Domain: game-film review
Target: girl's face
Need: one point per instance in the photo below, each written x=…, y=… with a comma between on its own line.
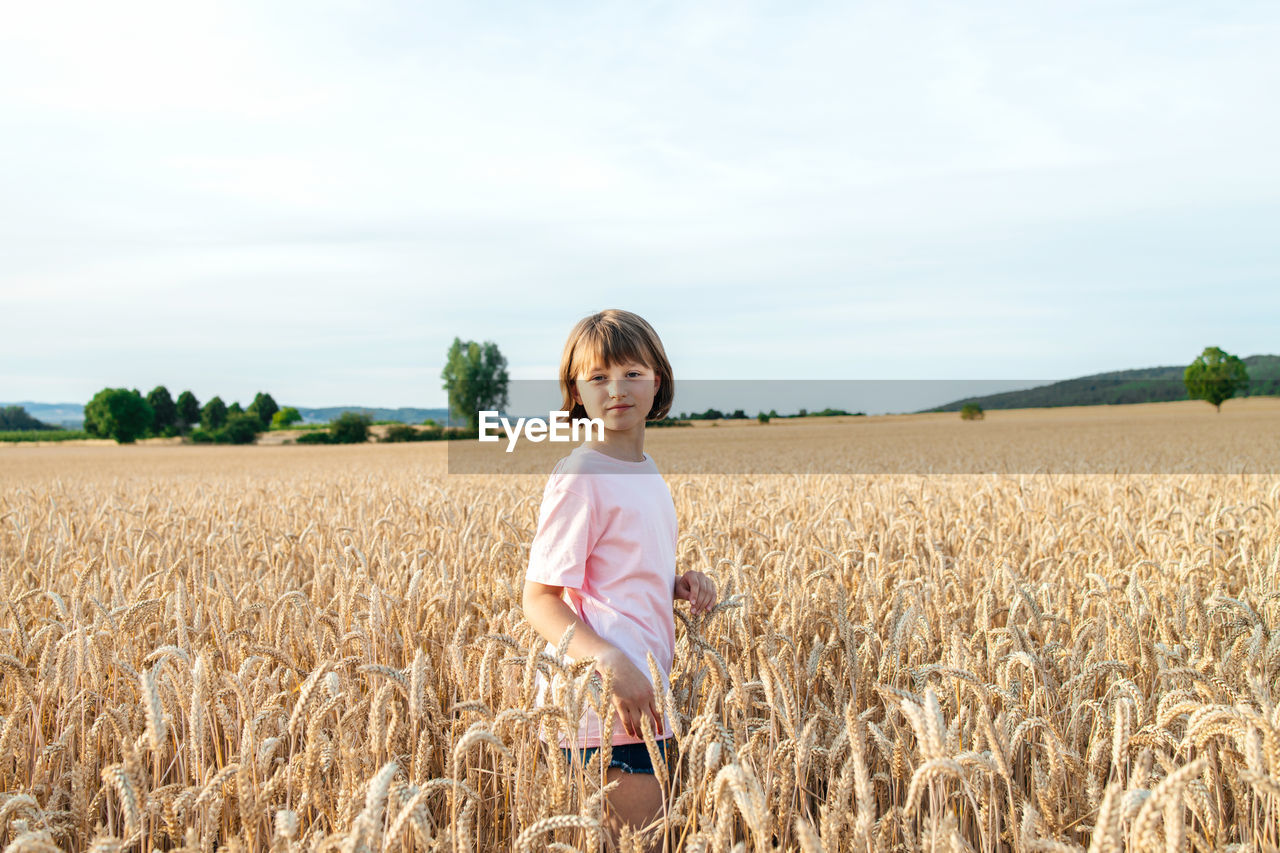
x=621, y=395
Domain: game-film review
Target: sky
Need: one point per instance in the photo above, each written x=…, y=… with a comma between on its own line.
x=313, y=199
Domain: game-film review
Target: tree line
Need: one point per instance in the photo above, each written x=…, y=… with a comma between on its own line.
x=126, y=415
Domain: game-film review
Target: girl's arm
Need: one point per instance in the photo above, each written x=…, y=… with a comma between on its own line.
x=633, y=696
x=548, y=613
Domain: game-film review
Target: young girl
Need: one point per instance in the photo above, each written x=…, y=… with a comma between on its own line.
x=603, y=559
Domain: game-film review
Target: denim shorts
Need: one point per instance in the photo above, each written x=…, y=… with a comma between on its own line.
x=630, y=757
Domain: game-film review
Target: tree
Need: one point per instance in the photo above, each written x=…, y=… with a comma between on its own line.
x=285, y=417
x=118, y=413
x=971, y=412
x=235, y=408
x=165, y=412
x=188, y=411
x=350, y=428
x=264, y=408
x=214, y=414
x=1215, y=376
x=475, y=375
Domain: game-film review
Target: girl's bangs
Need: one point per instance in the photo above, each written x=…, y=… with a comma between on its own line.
x=606, y=346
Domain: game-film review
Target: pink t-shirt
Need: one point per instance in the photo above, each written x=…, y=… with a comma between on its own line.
x=607, y=533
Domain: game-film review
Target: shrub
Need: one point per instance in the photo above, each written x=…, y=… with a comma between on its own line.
x=240, y=428
x=285, y=418
x=350, y=428
x=971, y=412
x=400, y=432
x=763, y=417
x=315, y=437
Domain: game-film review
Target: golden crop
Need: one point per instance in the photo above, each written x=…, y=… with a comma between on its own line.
x=316, y=647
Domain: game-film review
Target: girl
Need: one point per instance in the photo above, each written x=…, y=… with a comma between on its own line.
x=603, y=559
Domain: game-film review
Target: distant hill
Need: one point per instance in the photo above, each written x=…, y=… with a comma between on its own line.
x=66, y=415
x=71, y=415
x=407, y=416
x=1144, y=385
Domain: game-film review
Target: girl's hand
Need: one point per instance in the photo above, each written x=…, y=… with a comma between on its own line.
x=632, y=693
x=698, y=589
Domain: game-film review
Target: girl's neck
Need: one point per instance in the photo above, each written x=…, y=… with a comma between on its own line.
x=627, y=446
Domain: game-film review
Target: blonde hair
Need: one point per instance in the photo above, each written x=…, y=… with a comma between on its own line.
x=613, y=337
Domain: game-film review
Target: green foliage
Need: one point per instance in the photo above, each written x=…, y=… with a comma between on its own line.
x=803, y=413
x=240, y=428
x=475, y=375
x=164, y=411
x=214, y=415
x=118, y=413
x=285, y=418
x=350, y=428
x=235, y=409
x=431, y=422
x=405, y=432
x=264, y=408
x=53, y=434
x=16, y=419
x=971, y=412
x=762, y=417
x=738, y=415
x=188, y=414
x=315, y=437
x=668, y=422
x=1215, y=376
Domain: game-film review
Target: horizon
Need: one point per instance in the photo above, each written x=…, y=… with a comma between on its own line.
x=919, y=396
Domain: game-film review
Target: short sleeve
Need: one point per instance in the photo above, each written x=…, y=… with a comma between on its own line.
x=558, y=556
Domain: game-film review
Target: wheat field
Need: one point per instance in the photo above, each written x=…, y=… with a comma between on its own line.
x=312, y=648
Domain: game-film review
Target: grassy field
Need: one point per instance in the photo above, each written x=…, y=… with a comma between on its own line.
x=43, y=435
x=294, y=648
